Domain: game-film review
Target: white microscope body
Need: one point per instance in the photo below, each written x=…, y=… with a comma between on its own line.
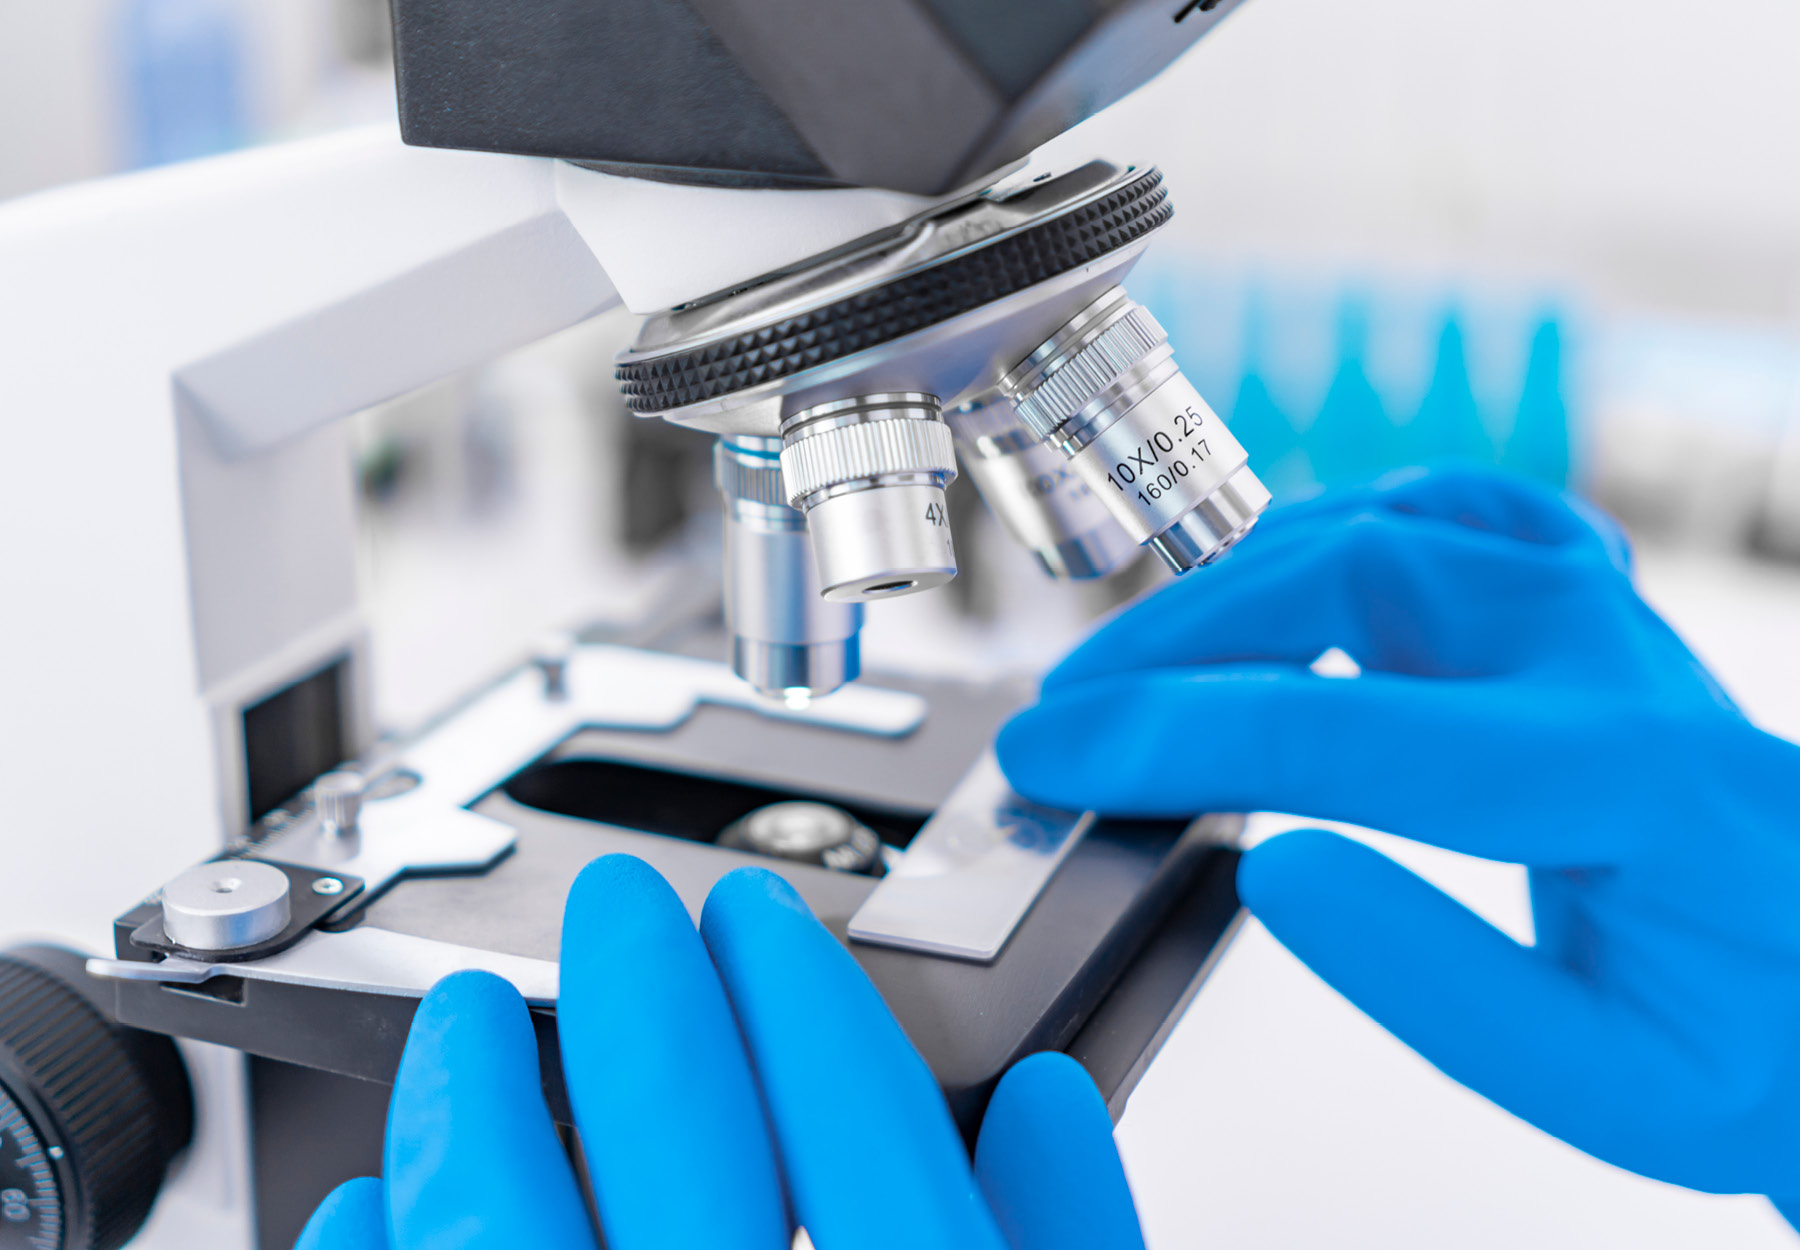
x=181, y=348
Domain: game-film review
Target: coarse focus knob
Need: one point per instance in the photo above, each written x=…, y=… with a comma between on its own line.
x=869, y=474
x=91, y=1113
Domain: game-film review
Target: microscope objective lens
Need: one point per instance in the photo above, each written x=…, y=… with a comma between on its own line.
x=787, y=640
x=869, y=473
x=1039, y=498
x=1105, y=390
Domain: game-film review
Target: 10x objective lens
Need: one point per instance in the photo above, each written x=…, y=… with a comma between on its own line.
x=869, y=475
x=1106, y=391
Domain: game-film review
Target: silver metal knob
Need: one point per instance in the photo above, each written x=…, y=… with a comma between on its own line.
x=226, y=905
x=338, y=797
x=550, y=655
x=869, y=475
x=1106, y=391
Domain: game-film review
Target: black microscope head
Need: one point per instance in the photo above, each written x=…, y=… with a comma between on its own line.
x=922, y=96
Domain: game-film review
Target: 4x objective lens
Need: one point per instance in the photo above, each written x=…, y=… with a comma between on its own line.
x=1105, y=391
x=869, y=475
x=786, y=639
x=1040, y=499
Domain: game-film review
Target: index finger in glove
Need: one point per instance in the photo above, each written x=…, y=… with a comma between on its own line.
x=1484, y=768
x=1400, y=595
x=676, y=1141
x=854, y=1107
x=472, y=1158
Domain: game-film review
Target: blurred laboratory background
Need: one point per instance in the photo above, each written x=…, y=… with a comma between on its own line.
x=1558, y=235
x=1562, y=236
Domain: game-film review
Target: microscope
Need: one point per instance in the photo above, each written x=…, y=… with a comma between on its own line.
x=852, y=271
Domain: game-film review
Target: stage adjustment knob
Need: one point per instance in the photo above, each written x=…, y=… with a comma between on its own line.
x=91, y=1113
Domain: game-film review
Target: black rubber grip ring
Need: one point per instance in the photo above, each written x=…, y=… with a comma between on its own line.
x=900, y=307
x=104, y=1109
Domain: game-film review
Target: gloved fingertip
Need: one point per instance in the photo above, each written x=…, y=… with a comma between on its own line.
x=352, y=1217
x=471, y=1029
x=746, y=894
x=461, y=1001
x=1021, y=733
x=1048, y=1079
x=619, y=903
x=656, y=1072
x=1019, y=747
x=1046, y=1161
x=1284, y=874
x=613, y=877
x=1044, y=750
x=471, y=1149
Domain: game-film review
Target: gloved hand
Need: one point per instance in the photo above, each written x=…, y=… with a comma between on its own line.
x=667, y=1037
x=1518, y=702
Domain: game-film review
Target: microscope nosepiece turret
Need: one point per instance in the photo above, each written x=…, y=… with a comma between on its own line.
x=1003, y=305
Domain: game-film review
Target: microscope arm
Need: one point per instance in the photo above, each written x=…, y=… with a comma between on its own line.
x=287, y=286
x=177, y=349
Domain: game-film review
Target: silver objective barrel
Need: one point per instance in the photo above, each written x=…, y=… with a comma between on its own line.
x=1036, y=493
x=786, y=639
x=869, y=474
x=1105, y=391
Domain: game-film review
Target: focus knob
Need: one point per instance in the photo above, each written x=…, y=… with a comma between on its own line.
x=91, y=1113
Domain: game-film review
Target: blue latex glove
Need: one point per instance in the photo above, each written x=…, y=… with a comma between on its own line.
x=1518, y=702
x=728, y=1084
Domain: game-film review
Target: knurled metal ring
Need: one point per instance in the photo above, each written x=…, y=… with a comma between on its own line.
x=865, y=440
x=754, y=479
x=1065, y=375
x=901, y=307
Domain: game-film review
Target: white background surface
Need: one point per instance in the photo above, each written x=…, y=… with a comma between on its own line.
x=1279, y=1116
x=1645, y=150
